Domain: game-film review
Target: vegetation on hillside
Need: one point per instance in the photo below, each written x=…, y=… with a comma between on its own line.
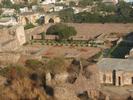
x=62, y=30
x=28, y=82
x=121, y=13
x=56, y=65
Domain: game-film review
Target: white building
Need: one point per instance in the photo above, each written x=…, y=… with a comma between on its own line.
x=76, y=10
x=23, y=10
x=111, y=1
x=58, y=8
x=47, y=1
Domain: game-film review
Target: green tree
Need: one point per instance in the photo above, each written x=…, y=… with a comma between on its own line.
x=66, y=15
x=72, y=3
x=28, y=26
x=62, y=30
x=124, y=9
x=106, y=8
x=7, y=3
x=84, y=3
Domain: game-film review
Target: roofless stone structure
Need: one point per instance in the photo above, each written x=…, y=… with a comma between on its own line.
x=117, y=72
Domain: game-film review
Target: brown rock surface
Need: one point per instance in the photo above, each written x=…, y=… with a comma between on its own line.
x=22, y=89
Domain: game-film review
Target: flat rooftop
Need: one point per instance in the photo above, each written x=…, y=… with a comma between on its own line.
x=111, y=64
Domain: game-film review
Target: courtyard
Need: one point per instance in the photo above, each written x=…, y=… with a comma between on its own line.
x=61, y=51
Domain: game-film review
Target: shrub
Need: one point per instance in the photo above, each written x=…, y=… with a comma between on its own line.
x=62, y=30
x=33, y=64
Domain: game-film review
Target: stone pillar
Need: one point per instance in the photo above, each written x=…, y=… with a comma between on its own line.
x=48, y=78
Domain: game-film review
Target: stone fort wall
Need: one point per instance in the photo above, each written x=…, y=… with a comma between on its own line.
x=12, y=38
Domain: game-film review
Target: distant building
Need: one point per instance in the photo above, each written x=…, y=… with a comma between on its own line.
x=58, y=8
x=28, y=17
x=47, y=1
x=23, y=10
x=34, y=7
x=118, y=72
x=110, y=1
x=21, y=1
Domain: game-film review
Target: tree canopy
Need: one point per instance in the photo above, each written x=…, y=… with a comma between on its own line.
x=100, y=12
x=84, y=3
x=66, y=15
x=62, y=30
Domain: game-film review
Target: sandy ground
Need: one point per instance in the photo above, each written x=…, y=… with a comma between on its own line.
x=83, y=52
x=89, y=30
x=93, y=29
x=118, y=93
x=97, y=28
x=66, y=51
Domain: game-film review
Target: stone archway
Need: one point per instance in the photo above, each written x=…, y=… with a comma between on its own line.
x=119, y=81
x=51, y=20
x=27, y=20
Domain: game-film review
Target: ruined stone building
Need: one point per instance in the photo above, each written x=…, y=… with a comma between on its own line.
x=32, y=17
x=118, y=72
x=51, y=18
x=28, y=17
x=11, y=39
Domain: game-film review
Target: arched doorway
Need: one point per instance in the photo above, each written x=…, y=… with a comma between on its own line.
x=41, y=21
x=114, y=77
x=119, y=81
x=132, y=80
x=27, y=20
x=51, y=20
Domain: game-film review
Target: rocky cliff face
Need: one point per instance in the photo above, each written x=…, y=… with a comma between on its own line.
x=12, y=38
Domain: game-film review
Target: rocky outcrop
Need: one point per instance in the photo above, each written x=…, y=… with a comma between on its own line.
x=9, y=57
x=12, y=38
x=64, y=93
